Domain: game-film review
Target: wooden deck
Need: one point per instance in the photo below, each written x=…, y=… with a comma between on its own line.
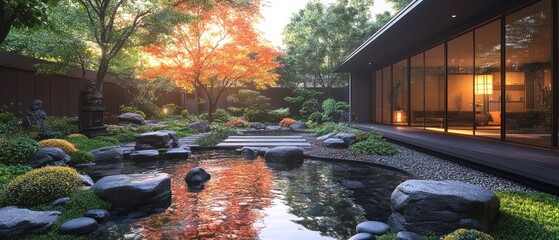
x=533, y=166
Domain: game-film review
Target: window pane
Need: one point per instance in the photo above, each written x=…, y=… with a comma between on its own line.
x=460, y=85
x=435, y=86
x=378, y=96
x=488, y=77
x=400, y=93
x=416, y=92
x=387, y=95
x=528, y=78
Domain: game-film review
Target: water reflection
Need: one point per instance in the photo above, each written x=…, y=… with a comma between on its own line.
x=252, y=200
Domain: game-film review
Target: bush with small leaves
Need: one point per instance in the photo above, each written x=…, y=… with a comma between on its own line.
x=80, y=157
x=221, y=115
x=467, y=234
x=63, y=125
x=286, y=122
x=184, y=113
x=237, y=123
x=372, y=146
x=42, y=185
x=18, y=150
x=76, y=135
x=66, y=146
x=7, y=173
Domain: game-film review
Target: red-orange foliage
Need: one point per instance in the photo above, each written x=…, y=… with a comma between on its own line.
x=286, y=122
x=218, y=49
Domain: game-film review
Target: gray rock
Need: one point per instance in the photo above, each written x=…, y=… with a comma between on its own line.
x=144, y=192
x=100, y=215
x=335, y=143
x=348, y=138
x=78, y=226
x=176, y=153
x=260, y=150
x=284, y=155
x=405, y=235
x=324, y=137
x=373, y=227
x=273, y=128
x=441, y=207
x=108, y=155
x=298, y=126
x=258, y=125
x=362, y=236
x=86, y=180
x=200, y=126
x=156, y=140
x=144, y=155
x=17, y=221
x=83, y=166
x=48, y=156
x=131, y=118
x=60, y=201
x=196, y=178
x=101, y=170
x=249, y=153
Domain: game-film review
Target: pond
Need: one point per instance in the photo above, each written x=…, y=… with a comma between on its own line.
x=250, y=199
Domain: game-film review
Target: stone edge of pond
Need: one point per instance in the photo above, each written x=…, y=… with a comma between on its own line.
x=391, y=168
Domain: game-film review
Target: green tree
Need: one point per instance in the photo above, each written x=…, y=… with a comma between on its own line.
x=21, y=13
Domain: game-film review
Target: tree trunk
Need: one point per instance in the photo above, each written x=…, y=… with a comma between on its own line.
x=5, y=22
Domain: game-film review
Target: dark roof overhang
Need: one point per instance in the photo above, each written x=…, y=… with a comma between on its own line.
x=420, y=25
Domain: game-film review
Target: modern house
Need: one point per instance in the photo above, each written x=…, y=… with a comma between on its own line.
x=477, y=68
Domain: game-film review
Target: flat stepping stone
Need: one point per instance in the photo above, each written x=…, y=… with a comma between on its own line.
x=373, y=227
x=144, y=155
x=175, y=153
x=100, y=215
x=78, y=226
x=263, y=137
x=265, y=140
x=265, y=144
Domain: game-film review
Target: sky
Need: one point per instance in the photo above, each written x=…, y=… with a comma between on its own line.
x=278, y=13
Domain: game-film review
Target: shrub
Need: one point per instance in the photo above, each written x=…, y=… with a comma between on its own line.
x=172, y=109
x=63, y=125
x=94, y=143
x=42, y=185
x=7, y=173
x=81, y=156
x=307, y=98
x=131, y=109
x=237, y=123
x=527, y=215
x=467, y=234
x=250, y=104
x=76, y=135
x=286, y=122
x=18, y=150
x=184, y=113
x=66, y=146
x=315, y=117
x=334, y=128
x=221, y=115
x=378, y=147
x=277, y=114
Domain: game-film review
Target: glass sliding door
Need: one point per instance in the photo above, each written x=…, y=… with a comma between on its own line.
x=386, y=94
x=528, y=81
x=488, y=80
x=460, y=91
x=400, y=93
x=378, y=96
x=435, y=88
x=417, y=80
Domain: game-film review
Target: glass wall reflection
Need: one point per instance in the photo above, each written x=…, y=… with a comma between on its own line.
x=435, y=87
x=400, y=93
x=461, y=86
x=417, y=78
x=386, y=94
x=378, y=96
x=488, y=80
x=528, y=78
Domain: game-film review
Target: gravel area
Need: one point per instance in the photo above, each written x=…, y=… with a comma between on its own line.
x=421, y=165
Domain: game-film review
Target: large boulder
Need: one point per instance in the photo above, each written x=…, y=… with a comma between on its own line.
x=298, y=126
x=258, y=125
x=48, y=156
x=335, y=143
x=200, y=126
x=131, y=118
x=349, y=138
x=441, y=207
x=284, y=155
x=17, y=221
x=156, y=140
x=108, y=155
x=78, y=226
x=143, y=192
x=144, y=155
x=196, y=178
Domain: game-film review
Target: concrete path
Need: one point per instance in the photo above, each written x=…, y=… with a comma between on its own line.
x=263, y=141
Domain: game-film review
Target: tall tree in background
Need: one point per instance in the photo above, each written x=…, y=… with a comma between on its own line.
x=21, y=13
x=218, y=49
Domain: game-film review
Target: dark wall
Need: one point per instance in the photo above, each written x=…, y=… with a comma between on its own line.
x=361, y=85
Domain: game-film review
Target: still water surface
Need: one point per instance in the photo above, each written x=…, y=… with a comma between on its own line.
x=250, y=199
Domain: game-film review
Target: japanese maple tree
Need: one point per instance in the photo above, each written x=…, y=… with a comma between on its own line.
x=218, y=49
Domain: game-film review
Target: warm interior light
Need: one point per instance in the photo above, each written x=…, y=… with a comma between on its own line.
x=453, y=15
x=399, y=116
x=484, y=84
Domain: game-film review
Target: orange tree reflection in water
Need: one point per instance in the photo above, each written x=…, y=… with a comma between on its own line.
x=226, y=209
